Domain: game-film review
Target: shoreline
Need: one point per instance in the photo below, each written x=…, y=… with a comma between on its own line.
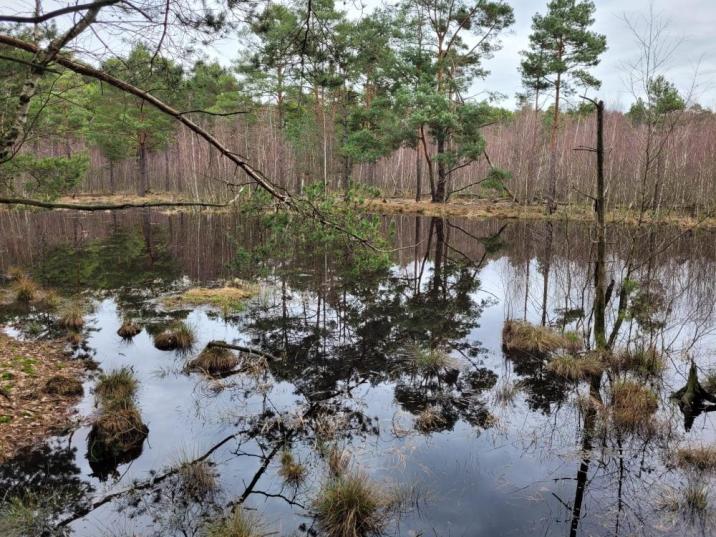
x=461, y=208
x=40, y=387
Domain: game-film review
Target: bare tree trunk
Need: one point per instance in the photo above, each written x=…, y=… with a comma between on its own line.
x=112, y=187
x=418, y=173
x=440, y=194
x=552, y=194
x=600, y=333
x=143, y=175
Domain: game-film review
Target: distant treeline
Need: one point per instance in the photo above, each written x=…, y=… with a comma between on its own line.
x=519, y=144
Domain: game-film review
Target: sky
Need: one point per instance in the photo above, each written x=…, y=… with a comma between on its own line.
x=691, y=22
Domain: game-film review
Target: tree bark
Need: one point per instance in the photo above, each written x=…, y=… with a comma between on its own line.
x=600, y=332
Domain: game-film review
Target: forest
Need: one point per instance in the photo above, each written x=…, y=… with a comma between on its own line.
x=318, y=268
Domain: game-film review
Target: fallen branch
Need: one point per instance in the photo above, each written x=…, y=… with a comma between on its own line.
x=248, y=350
x=106, y=206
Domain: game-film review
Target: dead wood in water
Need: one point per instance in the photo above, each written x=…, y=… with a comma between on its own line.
x=105, y=206
x=693, y=398
x=248, y=350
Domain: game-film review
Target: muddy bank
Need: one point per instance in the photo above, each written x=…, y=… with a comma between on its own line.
x=39, y=388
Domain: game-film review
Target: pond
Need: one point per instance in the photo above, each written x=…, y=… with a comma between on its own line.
x=400, y=373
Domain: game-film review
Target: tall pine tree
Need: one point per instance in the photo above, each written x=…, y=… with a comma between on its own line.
x=562, y=49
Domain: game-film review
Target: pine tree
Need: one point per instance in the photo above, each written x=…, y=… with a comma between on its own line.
x=562, y=49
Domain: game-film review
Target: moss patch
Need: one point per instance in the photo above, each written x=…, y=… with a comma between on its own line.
x=228, y=298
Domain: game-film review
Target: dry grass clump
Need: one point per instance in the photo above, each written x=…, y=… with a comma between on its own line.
x=198, y=478
x=71, y=316
x=117, y=385
x=292, y=471
x=240, y=523
x=228, y=298
x=118, y=429
x=506, y=393
x=338, y=460
x=178, y=336
x=692, y=502
x=214, y=360
x=351, y=505
x=74, y=338
x=64, y=386
x=429, y=361
x=576, y=368
x=699, y=458
x=128, y=330
x=26, y=289
x=644, y=362
x=710, y=382
x=522, y=336
x=429, y=420
x=632, y=404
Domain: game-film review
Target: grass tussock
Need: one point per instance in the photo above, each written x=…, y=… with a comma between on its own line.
x=229, y=299
x=128, y=330
x=117, y=385
x=63, y=386
x=178, y=336
x=71, y=316
x=292, y=471
x=26, y=289
x=701, y=459
x=644, y=362
x=74, y=338
x=524, y=337
x=338, y=460
x=240, y=523
x=429, y=420
x=576, y=368
x=198, y=478
x=710, y=382
x=429, y=361
x=632, y=405
x=352, y=505
x=506, y=393
x=213, y=361
x=691, y=502
x=118, y=429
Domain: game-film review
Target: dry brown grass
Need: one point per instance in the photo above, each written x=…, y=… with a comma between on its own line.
x=508, y=210
x=292, y=471
x=128, y=330
x=239, y=523
x=27, y=412
x=632, y=405
x=576, y=368
x=228, y=299
x=118, y=429
x=71, y=316
x=524, y=337
x=198, y=478
x=214, y=360
x=64, y=386
x=338, y=461
x=117, y=385
x=352, y=505
x=644, y=362
x=178, y=336
x=26, y=289
x=429, y=420
x=699, y=458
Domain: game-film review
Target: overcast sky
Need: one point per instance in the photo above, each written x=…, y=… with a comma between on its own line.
x=694, y=21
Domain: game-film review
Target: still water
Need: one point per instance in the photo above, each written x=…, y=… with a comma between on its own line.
x=506, y=454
